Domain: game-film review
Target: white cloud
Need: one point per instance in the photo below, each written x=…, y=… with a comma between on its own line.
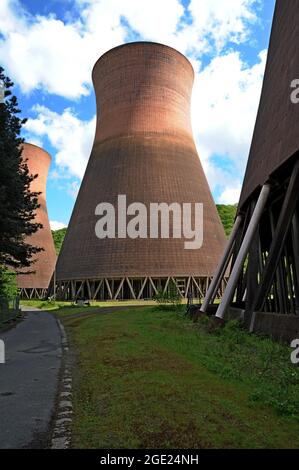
x=57, y=225
x=47, y=53
x=68, y=134
x=212, y=24
x=12, y=16
x=225, y=100
x=43, y=52
x=73, y=189
x=230, y=195
x=154, y=20
x=33, y=140
x=57, y=56
x=220, y=22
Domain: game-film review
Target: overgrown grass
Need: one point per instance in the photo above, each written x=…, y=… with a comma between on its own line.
x=258, y=361
x=150, y=378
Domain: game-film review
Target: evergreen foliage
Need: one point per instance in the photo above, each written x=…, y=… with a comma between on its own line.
x=58, y=237
x=17, y=203
x=227, y=215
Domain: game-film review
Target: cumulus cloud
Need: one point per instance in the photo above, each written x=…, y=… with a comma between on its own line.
x=57, y=225
x=223, y=23
x=73, y=188
x=225, y=100
x=154, y=20
x=47, y=53
x=56, y=56
x=72, y=153
x=230, y=195
x=12, y=16
x=31, y=46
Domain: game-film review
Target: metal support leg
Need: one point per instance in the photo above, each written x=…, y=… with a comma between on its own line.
x=222, y=266
x=250, y=233
x=295, y=240
x=252, y=275
x=277, y=246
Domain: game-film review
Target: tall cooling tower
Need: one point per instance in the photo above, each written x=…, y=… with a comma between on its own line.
x=36, y=284
x=265, y=242
x=144, y=149
x=276, y=138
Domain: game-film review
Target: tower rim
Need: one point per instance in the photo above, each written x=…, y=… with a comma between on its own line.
x=38, y=147
x=139, y=43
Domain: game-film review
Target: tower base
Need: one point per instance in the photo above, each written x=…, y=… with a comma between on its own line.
x=128, y=288
x=33, y=293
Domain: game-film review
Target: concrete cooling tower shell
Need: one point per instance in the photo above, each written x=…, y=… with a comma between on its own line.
x=36, y=284
x=264, y=276
x=144, y=149
x=276, y=134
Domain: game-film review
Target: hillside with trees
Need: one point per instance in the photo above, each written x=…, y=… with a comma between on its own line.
x=227, y=215
x=58, y=237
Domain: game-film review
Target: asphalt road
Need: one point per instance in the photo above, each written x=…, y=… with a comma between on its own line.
x=29, y=381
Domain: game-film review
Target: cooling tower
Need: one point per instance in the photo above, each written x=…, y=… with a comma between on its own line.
x=144, y=149
x=276, y=137
x=265, y=241
x=36, y=284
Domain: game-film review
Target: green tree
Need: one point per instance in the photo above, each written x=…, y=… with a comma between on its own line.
x=227, y=215
x=58, y=237
x=8, y=284
x=17, y=203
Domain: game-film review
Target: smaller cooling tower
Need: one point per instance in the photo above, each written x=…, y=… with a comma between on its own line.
x=36, y=284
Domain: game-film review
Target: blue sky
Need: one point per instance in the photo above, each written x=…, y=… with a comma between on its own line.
x=49, y=48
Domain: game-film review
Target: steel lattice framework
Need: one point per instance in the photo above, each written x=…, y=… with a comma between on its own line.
x=264, y=245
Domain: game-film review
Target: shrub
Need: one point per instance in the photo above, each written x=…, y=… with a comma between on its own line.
x=169, y=299
x=8, y=284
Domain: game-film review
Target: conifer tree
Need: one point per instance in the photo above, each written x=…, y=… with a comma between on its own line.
x=17, y=203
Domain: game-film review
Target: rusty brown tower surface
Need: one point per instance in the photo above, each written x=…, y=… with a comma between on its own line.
x=144, y=149
x=276, y=134
x=36, y=284
x=264, y=246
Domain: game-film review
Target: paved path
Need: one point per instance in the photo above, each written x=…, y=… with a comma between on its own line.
x=29, y=380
